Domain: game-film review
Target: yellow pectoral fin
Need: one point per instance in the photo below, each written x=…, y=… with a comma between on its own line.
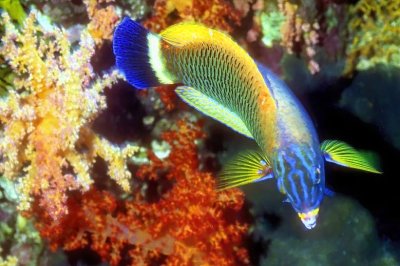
x=247, y=167
x=341, y=153
x=213, y=109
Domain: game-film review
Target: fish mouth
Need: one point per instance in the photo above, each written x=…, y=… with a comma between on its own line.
x=309, y=225
x=309, y=219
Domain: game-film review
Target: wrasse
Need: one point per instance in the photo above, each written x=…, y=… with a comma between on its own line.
x=222, y=81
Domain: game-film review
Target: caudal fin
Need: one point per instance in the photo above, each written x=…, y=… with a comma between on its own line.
x=137, y=53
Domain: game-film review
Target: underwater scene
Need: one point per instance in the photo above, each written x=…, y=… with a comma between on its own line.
x=200, y=132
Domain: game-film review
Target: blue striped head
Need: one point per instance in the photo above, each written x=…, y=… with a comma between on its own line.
x=301, y=177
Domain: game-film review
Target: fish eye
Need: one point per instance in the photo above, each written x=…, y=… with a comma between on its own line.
x=318, y=171
x=317, y=175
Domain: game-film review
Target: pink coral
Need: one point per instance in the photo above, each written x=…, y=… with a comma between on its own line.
x=297, y=29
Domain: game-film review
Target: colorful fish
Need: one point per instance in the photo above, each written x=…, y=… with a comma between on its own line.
x=222, y=81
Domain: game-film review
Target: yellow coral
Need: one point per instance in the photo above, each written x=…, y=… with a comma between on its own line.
x=375, y=34
x=46, y=143
x=9, y=261
x=103, y=19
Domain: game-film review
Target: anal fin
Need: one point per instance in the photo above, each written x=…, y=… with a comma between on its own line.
x=212, y=108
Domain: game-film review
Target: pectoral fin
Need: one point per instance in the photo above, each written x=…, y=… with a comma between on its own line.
x=328, y=192
x=343, y=154
x=212, y=108
x=247, y=167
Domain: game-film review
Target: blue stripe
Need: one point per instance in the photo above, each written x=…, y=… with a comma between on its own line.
x=292, y=163
x=301, y=162
x=303, y=185
x=293, y=187
x=313, y=194
x=301, y=174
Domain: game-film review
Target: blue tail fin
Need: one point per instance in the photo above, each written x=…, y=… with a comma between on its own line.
x=131, y=51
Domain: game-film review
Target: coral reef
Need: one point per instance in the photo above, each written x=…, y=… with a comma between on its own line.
x=98, y=16
x=91, y=167
x=6, y=78
x=189, y=222
x=102, y=19
x=346, y=233
x=219, y=14
x=271, y=24
x=46, y=143
x=9, y=261
x=298, y=77
x=374, y=30
x=18, y=238
x=295, y=26
x=69, y=14
x=372, y=96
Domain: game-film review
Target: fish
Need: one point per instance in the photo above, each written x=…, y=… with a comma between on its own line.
x=220, y=79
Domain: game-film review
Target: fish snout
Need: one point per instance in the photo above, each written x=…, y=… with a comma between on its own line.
x=309, y=219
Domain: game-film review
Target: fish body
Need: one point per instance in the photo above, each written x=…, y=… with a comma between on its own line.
x=221, y=80
x=213, y=64
x=296, y=158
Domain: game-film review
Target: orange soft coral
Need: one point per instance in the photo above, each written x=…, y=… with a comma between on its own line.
x=219, y=14
x=191, y=224
x=168, y=97
x=103, y=19
x=46, y=142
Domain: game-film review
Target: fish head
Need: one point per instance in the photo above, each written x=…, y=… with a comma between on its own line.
x=301, y=177
x=309, y=218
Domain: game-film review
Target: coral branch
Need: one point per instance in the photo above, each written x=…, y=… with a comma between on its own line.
x=191, y=224
x=219, y=14
x=46, y=142
x=103, y=19
x=374, y=30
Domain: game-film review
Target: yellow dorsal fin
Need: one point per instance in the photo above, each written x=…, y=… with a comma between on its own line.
x=187, y=32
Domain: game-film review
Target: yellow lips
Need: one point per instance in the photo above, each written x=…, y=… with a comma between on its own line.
x=309, y=219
